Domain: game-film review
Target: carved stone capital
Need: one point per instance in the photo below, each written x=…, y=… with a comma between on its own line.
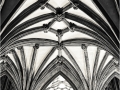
x=84, y=47
x=59, y=60
x=59, y=46
x=36, y=46
x=59, y=33
x=59, y=17
x=45, y=27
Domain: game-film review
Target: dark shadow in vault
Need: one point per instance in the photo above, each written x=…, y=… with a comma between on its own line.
x=6, y=84
x=113, y=84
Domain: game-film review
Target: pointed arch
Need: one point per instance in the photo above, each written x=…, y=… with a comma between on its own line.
x=44, y=62
x=12, y=66
x=114, y=74
x=77, y=67
x=64, y=76
x=105, y=37
x=6, y=70
x=61, y=66
x=107, y=70
x=6, y=73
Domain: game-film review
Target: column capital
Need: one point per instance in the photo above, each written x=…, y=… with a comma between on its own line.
x=36, y=46
x=19, y=48
x=84, y=47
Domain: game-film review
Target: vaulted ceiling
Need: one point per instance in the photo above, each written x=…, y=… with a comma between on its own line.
x=74, y=40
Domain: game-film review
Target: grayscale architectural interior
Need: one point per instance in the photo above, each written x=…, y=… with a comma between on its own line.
x=59, y=45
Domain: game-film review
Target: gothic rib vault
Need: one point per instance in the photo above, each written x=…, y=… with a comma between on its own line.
x=59, y=45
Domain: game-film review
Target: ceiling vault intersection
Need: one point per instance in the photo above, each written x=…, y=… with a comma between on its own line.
x=59, y=45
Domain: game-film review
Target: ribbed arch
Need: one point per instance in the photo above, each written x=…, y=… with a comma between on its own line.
x=58, y=65
x=77, y=42
x=24, y=33
x=106, y=81
x=54, y=43
x=12, y=66
x=30, y=42
x=6, y=70
x=85, y=8
x=5, y=73
x=64, y=76
x=92, y=26
x=107, y=70
x=42, y=65
x=22, y=15
x=29, y=23
x=104, y=37
x=96, y=17
x=76, y=67
x=78, y=29
x=26, y=24
x=10, y=62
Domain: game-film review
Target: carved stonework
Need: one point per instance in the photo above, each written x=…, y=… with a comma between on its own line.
x=59, y=17
x=72, y=26
x=83, y=46
x=45, y=28
x=36, y=46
